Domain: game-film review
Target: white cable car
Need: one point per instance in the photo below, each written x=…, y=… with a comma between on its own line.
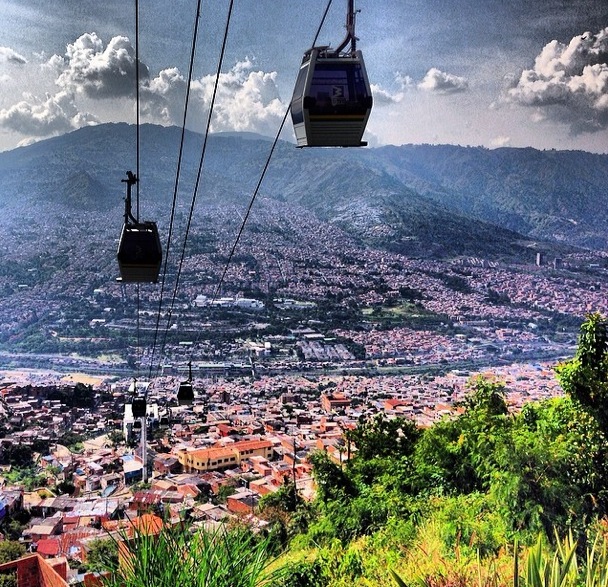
x=332, y=99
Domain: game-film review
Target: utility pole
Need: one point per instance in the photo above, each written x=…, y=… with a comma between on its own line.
x=293, y=474
x=144, y=449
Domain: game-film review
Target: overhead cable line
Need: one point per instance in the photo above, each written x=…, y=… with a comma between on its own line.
x=137, y=107
x=263, y=174
x=177, y=178
x=198, y=178
x=198, y=175
x=139, y=353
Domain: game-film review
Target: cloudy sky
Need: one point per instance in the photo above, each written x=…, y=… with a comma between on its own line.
x=469, y=72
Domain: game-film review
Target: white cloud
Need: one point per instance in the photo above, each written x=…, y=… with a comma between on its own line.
x=100, y=72
x=568, y=83
x=55, y=63
x=384, y=97
x=8, y=55
x=163, y=97
x=501, y=141
x=440, y=82
x=52, y=115
x=246, y=100
x=88, y=70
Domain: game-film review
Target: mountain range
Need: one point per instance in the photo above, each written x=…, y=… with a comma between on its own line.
x=420, y=200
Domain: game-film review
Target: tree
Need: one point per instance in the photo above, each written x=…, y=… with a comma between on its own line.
x=332, y=482
x=458, y=456
x=17, y=454
x=10, y=550
x=485, y=396
x=102, y=555
x=286, y=498
x=551, y=468
x=381, y=437
x=585, y=377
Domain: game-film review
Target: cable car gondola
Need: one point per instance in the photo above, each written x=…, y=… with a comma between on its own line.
x=139, y=407
x=185, y=393
x=332, y=99
x=139, y=250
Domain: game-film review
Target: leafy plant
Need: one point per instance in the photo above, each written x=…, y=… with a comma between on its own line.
x=176, y=558
x=543, y=569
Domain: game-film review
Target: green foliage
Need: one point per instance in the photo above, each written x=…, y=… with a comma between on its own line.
x=585, y=377
x=116, y=437
x=381, y=437
x=10, y=550
x=79, y=396
x=485, y=397
x=333, y=565
x=71, y=439
x=442, y=462
x=102, y=555
x=482, y=479
x=551, y=469
x=469, y=523
x=288, y=513
x=19, y=455
x=286, y=498
x=457, y=456
x=8, y=579
x=332, y=482
x=224, y=492
x=304, y=573
x=66, y=487
x=348, y=518
x=176, y=558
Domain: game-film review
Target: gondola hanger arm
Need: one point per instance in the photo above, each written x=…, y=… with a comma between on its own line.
x=130, y=181
x=350, y=30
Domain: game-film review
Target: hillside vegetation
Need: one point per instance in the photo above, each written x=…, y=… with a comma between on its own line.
x=486, y=498
x=457, y=503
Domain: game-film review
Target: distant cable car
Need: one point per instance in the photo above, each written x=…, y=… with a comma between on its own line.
x=185, y=393
x=139, y=250
x=332, y=99
x=138, y=407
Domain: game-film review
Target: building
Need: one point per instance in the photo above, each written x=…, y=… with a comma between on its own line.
x=337, y=401
x=34, y=571
x=217, y=458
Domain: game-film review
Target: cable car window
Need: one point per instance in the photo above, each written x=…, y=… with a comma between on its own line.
x=300, y=82
x=337, y=88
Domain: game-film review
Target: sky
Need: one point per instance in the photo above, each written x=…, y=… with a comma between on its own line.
x=515, y=73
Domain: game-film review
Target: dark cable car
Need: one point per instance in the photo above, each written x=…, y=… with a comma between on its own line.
x=332, y=99
x=139, y=250
x=138, y=407
x=185, y=393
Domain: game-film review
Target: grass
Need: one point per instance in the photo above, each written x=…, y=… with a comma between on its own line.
x=538, y=565
x=175, y=557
